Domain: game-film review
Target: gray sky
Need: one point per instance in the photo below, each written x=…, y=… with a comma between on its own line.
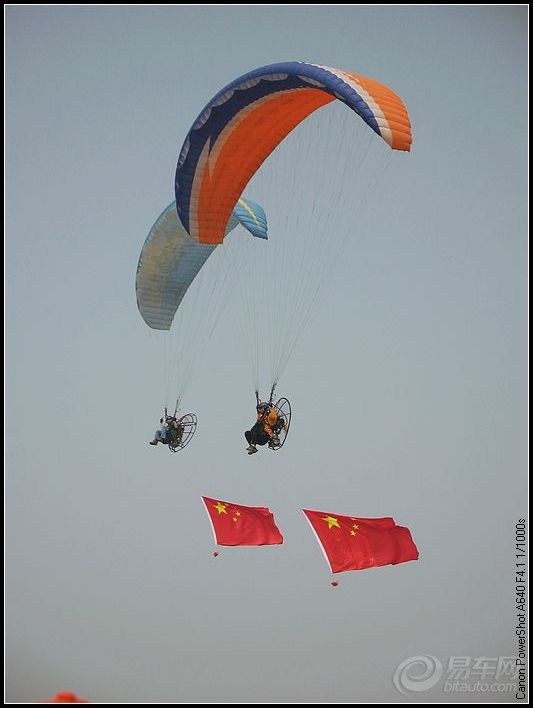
x=417, y=351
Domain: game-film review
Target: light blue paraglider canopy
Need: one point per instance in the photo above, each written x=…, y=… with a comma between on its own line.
x=170, y=260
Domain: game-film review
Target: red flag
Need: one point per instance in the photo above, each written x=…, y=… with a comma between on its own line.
x=66, y=697
x=352, y=543
x=237, y=525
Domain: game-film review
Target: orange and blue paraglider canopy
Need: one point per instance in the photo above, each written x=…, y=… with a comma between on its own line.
x=244, y=122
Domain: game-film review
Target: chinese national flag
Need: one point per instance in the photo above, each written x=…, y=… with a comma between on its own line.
x=352, y=543
x=237, y=525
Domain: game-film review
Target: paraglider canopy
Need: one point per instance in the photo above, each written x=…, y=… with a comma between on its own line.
x=170, y=260
x=243, y=123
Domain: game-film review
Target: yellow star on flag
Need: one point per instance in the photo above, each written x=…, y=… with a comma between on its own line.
x=331, y=521
x=221, y=508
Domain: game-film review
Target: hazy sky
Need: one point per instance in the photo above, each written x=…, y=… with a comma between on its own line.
x=409, y=383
